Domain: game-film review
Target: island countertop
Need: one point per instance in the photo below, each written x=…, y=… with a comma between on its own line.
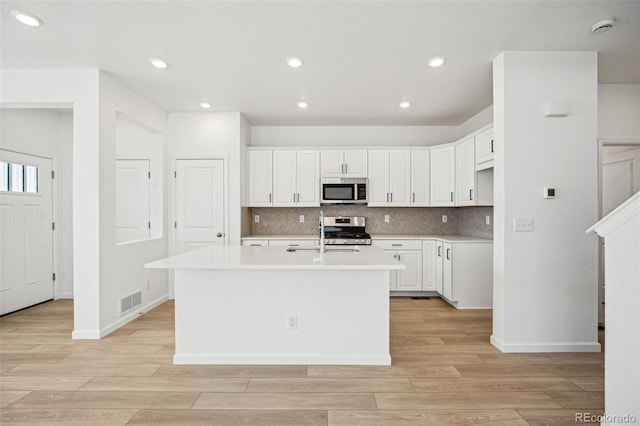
x=270, y=257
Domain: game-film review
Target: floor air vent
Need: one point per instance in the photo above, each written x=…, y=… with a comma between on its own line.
x=131, y=301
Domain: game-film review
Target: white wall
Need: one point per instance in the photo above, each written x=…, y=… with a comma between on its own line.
x=352, y=135
x=122, y=266
x=48, y=133
x=209, y=135
x=545, y=281
x=619, y=112
x=76, y=89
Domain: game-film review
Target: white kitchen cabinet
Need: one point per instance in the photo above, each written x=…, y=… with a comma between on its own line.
x=467, y=274
x=307, y=242
x=429, y=269
x=439, y=264
x=255, y=243
x=389, y=177
x=408, y=252
x=420, y=178
x=442, y=176
x=259, y=170
x=351, y=163
x=293, y=181
x=484, y=149
x=465, y=173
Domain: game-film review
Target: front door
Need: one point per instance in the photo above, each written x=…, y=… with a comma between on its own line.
x=26, y=229
x=200, y=219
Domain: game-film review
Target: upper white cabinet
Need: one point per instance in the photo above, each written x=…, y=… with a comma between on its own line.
x=284, y=178
x=484, y=149
x=442, y=176
x=350, y=163
x=296, y=178
x=465, y=173
x=420, y=177
x=389, y=177
x=259, y=170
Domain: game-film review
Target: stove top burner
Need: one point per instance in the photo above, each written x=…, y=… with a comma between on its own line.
x=346, y=234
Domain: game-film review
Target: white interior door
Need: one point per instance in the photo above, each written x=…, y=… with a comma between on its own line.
x=200, y=201
x=26, y=243
x=132, y=200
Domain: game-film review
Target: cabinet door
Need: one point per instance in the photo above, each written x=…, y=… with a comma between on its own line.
x=419, y=177
x=331, y=163
x=284, y=178
x=439, y=266
x=393, y=282
x=410, y=279
x=259, y=168
x=429, y=257
x=484, y=149
x=355, y=163
x=378, y=177
x=399, y=177
x=465, y=173
x=308, y=179
x=442, y=176
x=447, y=271
x=255, y=243
x=307, y=242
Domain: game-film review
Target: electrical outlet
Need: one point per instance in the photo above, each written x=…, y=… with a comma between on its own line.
x=292, y=322
x=301, y=218
x=488, y=220
x=444, y=218
x=523, y=224
x=256, y=218
x=387, y=219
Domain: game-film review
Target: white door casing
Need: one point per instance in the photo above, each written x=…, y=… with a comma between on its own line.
x=200, y=204
x=132, y=200
x=26, y=245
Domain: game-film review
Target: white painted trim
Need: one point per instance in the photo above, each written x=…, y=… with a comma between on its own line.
x=65, y=295
x=96, y=335
x=621, y=214
x=281, y=359
x=545, y=347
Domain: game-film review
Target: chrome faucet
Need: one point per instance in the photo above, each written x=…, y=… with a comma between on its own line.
x=321, y=226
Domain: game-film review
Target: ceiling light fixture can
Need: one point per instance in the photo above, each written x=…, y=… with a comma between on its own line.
x=602, y=26
x=303, y=105
x=294, y=62
x=27, y=18
x=158, y=63
x=205, y=105
x=436, y=62
x=405, y=104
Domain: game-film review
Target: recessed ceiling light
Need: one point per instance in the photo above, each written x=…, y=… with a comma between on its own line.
x=205, y=105
x=27, y=18
x=602, y=26
x=303, y=105
x=294, y=62
x=158, y=63
x=436, y=62
x=405, y=104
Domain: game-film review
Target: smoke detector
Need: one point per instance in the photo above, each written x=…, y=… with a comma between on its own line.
x=602, y=26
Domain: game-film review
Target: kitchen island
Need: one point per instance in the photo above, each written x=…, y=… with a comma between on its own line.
x=277, y=305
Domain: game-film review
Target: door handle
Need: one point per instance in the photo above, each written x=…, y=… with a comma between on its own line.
x=219, y=234
x=440, y=251
x=346, y=169
x=492, y=145
x=413, y=195
x=451, y=196
x=391, y=196
x=448, y=257
x=269, y=197
x=471, y=195
x=294, y=197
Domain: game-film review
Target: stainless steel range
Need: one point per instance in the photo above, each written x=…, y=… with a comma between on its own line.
x=345, y=231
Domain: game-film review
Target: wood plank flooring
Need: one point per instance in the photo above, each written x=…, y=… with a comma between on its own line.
x=444, y=371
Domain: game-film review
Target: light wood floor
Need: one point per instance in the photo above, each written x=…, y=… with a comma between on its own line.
x=444, y=371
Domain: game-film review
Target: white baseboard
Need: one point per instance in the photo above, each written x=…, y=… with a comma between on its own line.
x=65, y=295
x=226, y=359
x=545, y=347
x=94, y=334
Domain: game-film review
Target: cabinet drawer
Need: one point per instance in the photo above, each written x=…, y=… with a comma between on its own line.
x=253, y=242
x=398, y=244
x=294, y=243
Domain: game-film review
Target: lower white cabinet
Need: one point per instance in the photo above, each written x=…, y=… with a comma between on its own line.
x=429, y=269
x=294, y=243
x=408, y=252
x=467, y=274
x=255, y=243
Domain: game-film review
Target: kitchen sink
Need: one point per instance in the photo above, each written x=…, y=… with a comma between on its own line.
x=327, y=249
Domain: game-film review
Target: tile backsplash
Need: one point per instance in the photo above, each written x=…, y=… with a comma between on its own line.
x=409, y=220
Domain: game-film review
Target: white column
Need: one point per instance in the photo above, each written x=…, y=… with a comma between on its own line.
x=545, y=124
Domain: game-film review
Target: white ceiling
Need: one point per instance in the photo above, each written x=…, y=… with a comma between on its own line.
x=361, y=58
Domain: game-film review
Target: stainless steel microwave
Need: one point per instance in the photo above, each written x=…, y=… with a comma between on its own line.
x=343, y=190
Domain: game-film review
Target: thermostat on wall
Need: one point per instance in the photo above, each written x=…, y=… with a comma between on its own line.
x=549, y=193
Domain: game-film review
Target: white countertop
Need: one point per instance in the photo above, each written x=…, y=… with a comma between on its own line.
x=247, y=257
x=452, y=238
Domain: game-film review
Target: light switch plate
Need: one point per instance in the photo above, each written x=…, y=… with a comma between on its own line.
x=523, y=224
x=301, y=218
x=256, y=218
x=387, y=219
x=488, y=220
x=444, y=218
